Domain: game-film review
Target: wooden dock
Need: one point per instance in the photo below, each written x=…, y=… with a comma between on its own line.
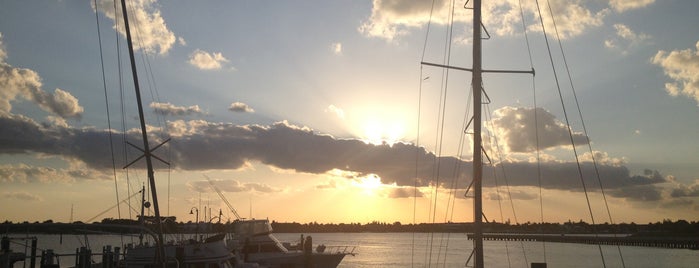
x=606, y=239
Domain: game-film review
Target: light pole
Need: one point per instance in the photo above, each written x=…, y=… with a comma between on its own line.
x=191, y=211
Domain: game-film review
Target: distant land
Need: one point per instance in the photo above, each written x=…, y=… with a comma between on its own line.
x=661, y=228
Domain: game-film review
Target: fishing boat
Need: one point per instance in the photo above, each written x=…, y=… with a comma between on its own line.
x=253, y=241
x=257, y=244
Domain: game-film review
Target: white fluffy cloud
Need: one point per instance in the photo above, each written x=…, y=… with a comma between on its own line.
x=173, y=110
x=682, y=66
x=624, y=5
x=336, y=111
x=572, y=17
x=393, y=18
x=602, y=158
x=240, y=107
x=207, y=61
x=26, y=83
x=625, y=39
x=516, y=130
x=145, y=21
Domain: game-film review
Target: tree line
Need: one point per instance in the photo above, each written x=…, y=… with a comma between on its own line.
x=665, y=227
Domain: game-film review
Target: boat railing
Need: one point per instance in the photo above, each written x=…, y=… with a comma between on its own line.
x=347, y=250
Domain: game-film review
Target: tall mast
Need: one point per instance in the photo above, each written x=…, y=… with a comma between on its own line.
x=146, y=149
x=477, y=81
x=477, y=84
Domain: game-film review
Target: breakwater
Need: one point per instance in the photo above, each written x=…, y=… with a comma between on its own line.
x=622, y=240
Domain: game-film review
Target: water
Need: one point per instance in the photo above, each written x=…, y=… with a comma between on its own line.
x=447, y=250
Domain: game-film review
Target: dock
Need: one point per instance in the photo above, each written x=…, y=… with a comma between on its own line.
x=606, y=239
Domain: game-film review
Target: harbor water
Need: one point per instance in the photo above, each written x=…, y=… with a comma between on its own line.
x=421, y=250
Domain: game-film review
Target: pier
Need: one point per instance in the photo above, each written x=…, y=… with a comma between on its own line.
x=606, y=239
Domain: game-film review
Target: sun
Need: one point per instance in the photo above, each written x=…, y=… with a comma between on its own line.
x=380, y=132
x=370, y=182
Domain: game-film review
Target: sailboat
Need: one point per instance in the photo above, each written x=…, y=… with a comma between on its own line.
x=211, y=252
x=477, y=256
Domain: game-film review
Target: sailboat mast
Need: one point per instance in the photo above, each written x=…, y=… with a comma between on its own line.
x=477, y=81
x=146, y=148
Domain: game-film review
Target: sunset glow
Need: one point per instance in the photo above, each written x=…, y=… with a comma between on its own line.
x=310, y=111
x=377, y=132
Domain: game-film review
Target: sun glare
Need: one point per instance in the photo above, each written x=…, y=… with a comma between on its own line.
x=369, y=184
x=376, y=132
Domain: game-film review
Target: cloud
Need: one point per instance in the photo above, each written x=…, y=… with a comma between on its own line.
x=240, y=107
x=404, y=192
x=603, y=158
x=231, y=186
x=146, y=23
x=329, y=185
x=679, y=203
x=336, y=111
x=26, y=83
x=391, y=19
x=571, y=17
x=202, y=145
x=207, y=61
x=336, y=48
x=23, y=173
x=3, y=54
x=23, y=135
x=172, y=110
x=647, y=193
x=686, y=191
x=624, y=5
x=516, y=130
x=625, y=39
x=683, y=67
x=22, y=196
x=513, y=194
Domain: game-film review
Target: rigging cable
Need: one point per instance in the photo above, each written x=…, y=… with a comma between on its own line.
x=417, y=136
x=536, y=126
x=417, y=140
x=493, y=140
x=155, y=96
x=444, y=243
x=577, y=103
x=106, y=102
x=441, y=117
x=501, y=158
x=457, y=169
x=122, y=103
x=570, y=131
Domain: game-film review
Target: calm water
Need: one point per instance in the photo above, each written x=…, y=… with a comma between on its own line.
x=447, y=250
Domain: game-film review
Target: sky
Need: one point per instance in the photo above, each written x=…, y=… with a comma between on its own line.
x=320, y=111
